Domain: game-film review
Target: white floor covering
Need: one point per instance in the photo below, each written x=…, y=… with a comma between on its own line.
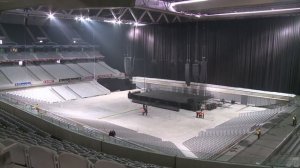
x=172, y=126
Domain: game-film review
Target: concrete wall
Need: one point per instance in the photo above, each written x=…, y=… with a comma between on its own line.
x=120, y=151
x=191, y=163
x=143, y=156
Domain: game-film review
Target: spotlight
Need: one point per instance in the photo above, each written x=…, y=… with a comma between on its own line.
x=119, y=21
x=111, y=21
x=51, y=16
x=138, y=24
x=41, y=41
x=76, y=18
x=20, y=63
x=74, y=41
x=81, y=18
x=88, y=19
x=58, y=61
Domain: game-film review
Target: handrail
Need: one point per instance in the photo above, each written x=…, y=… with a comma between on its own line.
x=71, y=125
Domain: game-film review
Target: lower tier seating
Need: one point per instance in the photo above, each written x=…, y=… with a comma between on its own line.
x=31, y=147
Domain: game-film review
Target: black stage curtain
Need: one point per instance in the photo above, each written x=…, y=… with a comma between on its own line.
x=257, y=53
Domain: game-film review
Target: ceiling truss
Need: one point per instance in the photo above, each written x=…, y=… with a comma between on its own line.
x=126, y=15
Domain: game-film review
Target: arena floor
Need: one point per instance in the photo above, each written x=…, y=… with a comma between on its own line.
x=172, y=126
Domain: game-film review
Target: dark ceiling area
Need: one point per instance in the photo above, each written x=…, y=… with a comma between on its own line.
x=64, y=4
x=153, y=11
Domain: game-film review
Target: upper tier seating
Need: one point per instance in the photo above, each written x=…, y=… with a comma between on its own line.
x=35, y=31
x=79, y=70
x=3, y=57
x=95, y=68
x=44, y=72
x=109, y=68
x=39, y=72
x=48, y=55
x=20, y=56
x=54, y=94
x=60, y=71
x=18, y=33
x=3, y=79
x=56, y=35
x=18, y=74
x=73, y=55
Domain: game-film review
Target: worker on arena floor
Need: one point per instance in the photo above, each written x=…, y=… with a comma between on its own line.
x=258, y=133
x=37, y=107
x=145, y=109
x=294, y=120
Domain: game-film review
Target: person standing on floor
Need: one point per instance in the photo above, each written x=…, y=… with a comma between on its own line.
x=258, y=133
x=145, y=108
x=294, y=120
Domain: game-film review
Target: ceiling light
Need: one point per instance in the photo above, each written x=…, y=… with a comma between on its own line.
x=110, y=21
x=51, y=16
x=183, y=2
x=255, y=12
x=81, y=18
x=139, y=24
x=88, y=19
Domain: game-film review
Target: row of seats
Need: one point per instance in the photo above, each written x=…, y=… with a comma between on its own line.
x=42, y=150
x=55, y=94
x=211, y=142
x=21, y=156
x=146, y=140
x=43, y=72
x=18, y=56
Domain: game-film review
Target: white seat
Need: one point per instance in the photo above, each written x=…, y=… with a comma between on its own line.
x=108, y=164
x=41, y=157
x=70, y=160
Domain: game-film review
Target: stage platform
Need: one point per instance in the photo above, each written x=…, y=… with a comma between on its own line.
x=169, y=100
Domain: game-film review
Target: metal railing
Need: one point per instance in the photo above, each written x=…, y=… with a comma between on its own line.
x=69, y=124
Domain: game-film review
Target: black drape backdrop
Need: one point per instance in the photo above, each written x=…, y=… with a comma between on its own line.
x=257, y=53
